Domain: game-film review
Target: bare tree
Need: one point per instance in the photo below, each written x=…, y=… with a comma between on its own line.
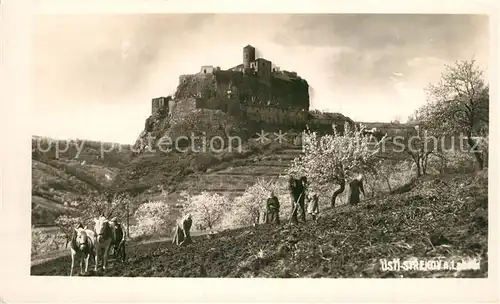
x=459, y=104
x=419, y=145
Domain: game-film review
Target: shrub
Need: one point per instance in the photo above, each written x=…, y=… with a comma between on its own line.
x=390, y=176
x=202, y=162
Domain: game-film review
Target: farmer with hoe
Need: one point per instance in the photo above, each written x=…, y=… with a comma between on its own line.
x=298, y=192
x=273, y=209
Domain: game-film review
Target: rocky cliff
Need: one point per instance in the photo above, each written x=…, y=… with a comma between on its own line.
x=228, y=103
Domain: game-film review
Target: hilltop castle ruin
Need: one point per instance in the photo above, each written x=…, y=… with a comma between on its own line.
x=250, y=87
x=256, y=90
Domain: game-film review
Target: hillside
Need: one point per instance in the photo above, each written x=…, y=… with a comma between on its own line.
x=443, y=216
x=164, y=177
x=57, y=181
x=60, y=178
x=185, y=120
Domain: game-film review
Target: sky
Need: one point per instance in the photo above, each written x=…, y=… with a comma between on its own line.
x=95, y=75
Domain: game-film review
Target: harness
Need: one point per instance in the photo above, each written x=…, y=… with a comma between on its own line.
x=76, y=246
x=100, y=234
x=86, y=249
x=103, y=231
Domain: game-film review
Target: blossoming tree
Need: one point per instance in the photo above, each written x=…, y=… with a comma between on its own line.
x=152, y=218
x=207, y=209
x=459, y=104
x=247, y=209
x=335, y=158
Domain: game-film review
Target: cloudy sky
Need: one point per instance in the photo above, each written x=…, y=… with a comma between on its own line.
x=95, y=75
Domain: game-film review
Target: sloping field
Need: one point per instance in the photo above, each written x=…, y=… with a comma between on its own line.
x=436, y=217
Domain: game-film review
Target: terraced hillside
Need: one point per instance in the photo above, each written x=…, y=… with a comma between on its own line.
x=60, y=179
x=234, y=180
x=155, y=176
x=226, y=177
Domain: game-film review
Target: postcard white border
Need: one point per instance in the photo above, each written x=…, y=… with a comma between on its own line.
x=16, y=284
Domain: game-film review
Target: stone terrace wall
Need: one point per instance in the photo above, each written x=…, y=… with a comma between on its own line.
x=276, y=116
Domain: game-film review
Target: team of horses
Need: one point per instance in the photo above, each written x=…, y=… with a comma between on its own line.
x=86, y=243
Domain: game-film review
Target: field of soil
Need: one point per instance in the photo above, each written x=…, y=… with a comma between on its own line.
x=432, y=218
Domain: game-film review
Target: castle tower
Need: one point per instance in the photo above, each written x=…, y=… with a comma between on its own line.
x=248, y=56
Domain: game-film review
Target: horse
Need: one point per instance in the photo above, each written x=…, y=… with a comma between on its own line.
x=104, y=239
x=82, y=247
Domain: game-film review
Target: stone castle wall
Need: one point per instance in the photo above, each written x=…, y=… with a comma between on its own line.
x=259, y=114
x=213, y=90
x=252, y=95
x=244, y=95
x=276, y=116
x=285, y=101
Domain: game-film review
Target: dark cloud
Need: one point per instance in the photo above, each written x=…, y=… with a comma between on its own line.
x=369, y=31
x=377, y=45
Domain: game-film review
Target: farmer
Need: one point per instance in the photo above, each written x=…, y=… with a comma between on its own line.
x=355, y=186
x=273, y=210
x=298, y=189
x=182, y=229
x=313, y=206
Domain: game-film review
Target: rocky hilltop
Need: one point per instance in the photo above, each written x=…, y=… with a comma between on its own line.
x=240, y=101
